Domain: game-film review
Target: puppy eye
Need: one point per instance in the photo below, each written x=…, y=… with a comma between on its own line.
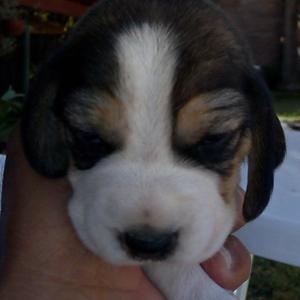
x=220, y=139
x=89, y=148
x=87, y=138
x=93, y=139
x=213, y=151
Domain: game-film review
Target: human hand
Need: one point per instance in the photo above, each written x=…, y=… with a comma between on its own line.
x=45, y=260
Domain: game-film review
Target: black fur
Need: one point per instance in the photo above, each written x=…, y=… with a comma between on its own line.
x=43, y=133
x=268, y=146
x=211, y=56
x=214, y=152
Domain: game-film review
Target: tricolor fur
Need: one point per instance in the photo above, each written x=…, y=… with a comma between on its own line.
x=149, y=108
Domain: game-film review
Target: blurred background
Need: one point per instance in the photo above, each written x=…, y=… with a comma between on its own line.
x=30, y=30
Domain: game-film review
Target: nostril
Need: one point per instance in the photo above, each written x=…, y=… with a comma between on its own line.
x=149, y=243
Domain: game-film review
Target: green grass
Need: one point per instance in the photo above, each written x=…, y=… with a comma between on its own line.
x=287, y=106
x=273, y=281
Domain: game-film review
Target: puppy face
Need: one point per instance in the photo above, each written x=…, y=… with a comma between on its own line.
x=147, y=112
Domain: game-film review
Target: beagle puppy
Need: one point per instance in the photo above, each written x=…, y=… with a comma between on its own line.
x=149, y=108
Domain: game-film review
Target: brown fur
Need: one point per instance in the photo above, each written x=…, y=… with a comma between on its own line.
x=201, y=115
x=229, y=182
x=192, y=121
x=108, y=117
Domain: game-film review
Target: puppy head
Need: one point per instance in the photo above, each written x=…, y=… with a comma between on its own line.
x=149, y=109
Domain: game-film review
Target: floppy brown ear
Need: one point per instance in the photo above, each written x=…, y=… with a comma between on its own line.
x=43, y=134
x=268, y=146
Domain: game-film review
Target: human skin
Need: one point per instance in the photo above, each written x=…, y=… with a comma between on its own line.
x=46, y=261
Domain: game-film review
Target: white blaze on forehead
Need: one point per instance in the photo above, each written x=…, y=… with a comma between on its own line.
x=147, y=63
x=123, y=191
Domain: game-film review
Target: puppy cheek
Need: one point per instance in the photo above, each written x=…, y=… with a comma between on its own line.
x=77, y=216
x=229, y=183
x=93, y=235
x=209, y=222
x=228, y=186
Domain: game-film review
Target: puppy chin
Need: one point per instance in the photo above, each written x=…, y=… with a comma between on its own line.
x=103, y=241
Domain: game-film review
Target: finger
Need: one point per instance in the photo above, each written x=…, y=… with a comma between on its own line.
x=231, y=266
x=147, y=291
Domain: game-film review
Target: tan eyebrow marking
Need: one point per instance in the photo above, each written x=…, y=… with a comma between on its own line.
x=101, y=112
x=213, y=112
x=108, y=116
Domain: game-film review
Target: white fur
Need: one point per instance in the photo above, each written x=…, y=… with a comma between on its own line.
x=144, y=183
x=186, y=282
x=147, y=61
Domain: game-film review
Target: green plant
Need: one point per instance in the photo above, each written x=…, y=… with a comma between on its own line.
x=7, y=45
x=287, y=106
x=8, y=9
x=10, y=112
x=273, y=281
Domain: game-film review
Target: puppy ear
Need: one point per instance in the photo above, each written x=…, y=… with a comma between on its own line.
x=43, y=134
x=267, y=149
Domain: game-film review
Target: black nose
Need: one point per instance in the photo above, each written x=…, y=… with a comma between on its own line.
x=149, y=244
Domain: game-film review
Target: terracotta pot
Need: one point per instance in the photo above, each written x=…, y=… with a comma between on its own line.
x=14, y=27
